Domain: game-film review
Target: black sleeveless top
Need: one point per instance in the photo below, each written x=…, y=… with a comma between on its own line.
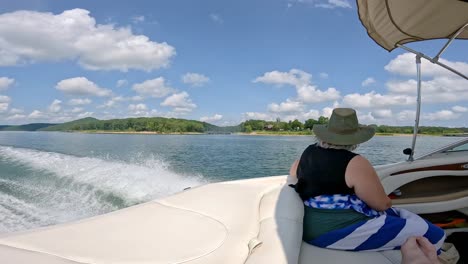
x=322, y=171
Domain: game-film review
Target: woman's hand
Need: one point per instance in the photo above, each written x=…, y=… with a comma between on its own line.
x=361, y=176
x=418, y=250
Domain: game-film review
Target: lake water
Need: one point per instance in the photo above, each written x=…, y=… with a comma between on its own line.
x=51, y=177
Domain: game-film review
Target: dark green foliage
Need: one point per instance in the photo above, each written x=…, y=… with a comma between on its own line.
x=28, y=127
x=262, y=125
x=142, y=124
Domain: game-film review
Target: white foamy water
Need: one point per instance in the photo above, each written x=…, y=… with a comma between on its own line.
x=56, y=188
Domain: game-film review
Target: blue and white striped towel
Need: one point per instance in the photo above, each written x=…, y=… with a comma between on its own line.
x=385, y=231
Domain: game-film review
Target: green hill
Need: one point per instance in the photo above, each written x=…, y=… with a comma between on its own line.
x=141, y=124
x=28, y=127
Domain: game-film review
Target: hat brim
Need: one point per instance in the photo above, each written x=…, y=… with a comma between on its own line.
x=363, y=134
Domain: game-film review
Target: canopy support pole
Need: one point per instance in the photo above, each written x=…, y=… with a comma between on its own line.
x=418, y=108
x=436, y=58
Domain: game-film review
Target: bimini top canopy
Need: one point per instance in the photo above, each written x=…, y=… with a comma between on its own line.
x=393, y=22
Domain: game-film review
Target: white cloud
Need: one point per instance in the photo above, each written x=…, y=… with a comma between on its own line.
x=289, y=106
x=138, y=19
x=16, y=111
x=195, y=79
x=3, y=107
x=77, y=109
x=216, y=18
x=36, y=114
x=55, y=106
x=306, y=92
x=312, y=114
x=368, y=81
x=5, y=82
x=404, y=64
x=294, y=77
x=81, y=86
x=15, y=117
x=83, y=115
x=257, y=115
x=441, y=115
x=78, y=101
x=373, y=99
x=117, y=99
x=310, y=94
x=121, y=83
x=382, y=113
x=4, y=103
x=323, y=75
x=4, y=99
x=180, y=101
x=439, y=89
x=156, y=88
x=209, y=119
x=460, y=109
x=406, y=115
x=137, y=107
x=328, y=4
x=30, y=36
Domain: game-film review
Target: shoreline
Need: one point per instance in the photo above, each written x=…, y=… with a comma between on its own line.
x=234, y=133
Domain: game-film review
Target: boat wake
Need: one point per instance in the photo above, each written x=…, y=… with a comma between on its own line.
x=39, y=188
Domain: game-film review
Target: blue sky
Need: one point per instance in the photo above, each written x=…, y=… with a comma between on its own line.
x=217, y=61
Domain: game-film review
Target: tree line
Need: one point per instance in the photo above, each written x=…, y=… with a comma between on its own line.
x=296, y=125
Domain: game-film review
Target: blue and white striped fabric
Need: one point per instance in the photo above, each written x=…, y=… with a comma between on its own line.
x=385, y=231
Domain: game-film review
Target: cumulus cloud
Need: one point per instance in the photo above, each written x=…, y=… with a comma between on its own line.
x=138, y=19
x=55, y=106
x=121, y=83
x=406, y=115
x=460, y=109
x=404, y=64
x=77, y=109
x=16, y=111
x=373, y=99
x=310, y=94
x=213, y=118
x=441, y=115
x=79, y=101
x=156, y=88
x=31, y=36
x=257, y=115
x=323, y=75
x=137, y=107
x=294, y=77
x=36, y=114
x=328, y=4
x=301, y=80
x=368, y=81
x=15, y=117
x=5, y=82
x=4, y=103
x=195, y=79
x=113, y=102
x=382, y=113
x=440, y=89
x=180, y=101
x=81, y=86
x=289, y=106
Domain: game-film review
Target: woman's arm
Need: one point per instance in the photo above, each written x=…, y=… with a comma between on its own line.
x=293, y=170
x=361, y=176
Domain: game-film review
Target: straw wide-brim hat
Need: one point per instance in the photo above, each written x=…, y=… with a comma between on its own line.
x=343, y=129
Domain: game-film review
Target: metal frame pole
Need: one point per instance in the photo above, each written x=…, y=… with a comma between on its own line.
x=418, y=108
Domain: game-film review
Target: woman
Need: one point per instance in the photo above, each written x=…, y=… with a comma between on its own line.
x=345, y=203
